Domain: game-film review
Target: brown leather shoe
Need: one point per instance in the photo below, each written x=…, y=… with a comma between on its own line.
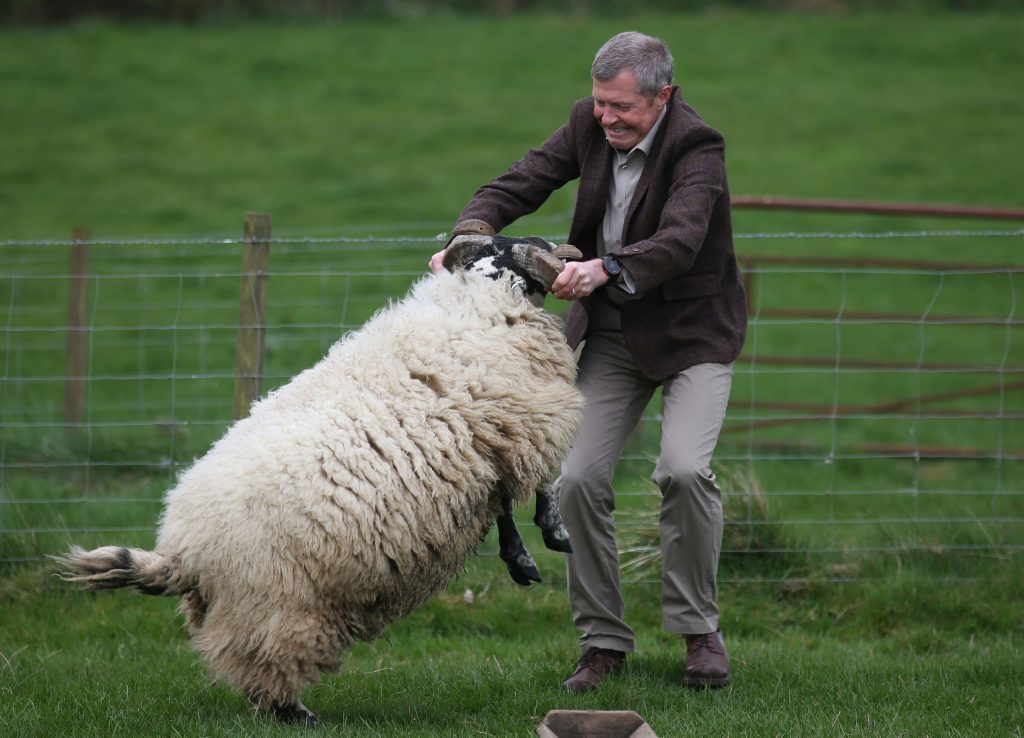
x=707, y=663
x=594, y=665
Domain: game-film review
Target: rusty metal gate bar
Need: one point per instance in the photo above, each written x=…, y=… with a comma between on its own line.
x=751, y=263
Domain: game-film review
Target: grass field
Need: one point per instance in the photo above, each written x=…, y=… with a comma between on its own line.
x=150, y=132
x=169, y=132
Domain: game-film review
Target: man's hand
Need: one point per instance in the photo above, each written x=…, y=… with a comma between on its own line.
x=579, y=279
x=435, y=262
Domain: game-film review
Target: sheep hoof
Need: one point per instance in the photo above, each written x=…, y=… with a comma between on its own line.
x=524, y=572
x=557, y=539
x=296, y=713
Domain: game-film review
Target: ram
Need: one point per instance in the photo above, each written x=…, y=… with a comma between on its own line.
x=357, y=490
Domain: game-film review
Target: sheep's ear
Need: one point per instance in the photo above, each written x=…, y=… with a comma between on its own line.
x=567, y=252
x=464, y=248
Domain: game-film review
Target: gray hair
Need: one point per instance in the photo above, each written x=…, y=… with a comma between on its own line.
x=648, y=57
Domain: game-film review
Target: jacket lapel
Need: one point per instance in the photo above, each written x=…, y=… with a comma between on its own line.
x=592, y=193
x=651, y=163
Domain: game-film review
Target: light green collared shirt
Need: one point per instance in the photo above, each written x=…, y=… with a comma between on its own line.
x=626, y=170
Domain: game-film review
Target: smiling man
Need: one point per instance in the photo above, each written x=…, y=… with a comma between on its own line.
x=625, y=114
x=657, y=302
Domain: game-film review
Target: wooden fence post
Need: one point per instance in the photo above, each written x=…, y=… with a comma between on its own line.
x=252, y=319
x=78, y=308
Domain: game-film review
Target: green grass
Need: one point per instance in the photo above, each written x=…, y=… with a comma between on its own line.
x=864, y=660
x=902, y=627
x=177, y=131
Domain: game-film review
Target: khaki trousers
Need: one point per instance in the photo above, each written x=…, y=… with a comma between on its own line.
x=690, y=526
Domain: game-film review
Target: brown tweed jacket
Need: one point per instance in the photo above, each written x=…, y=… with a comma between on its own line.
x=689, y=307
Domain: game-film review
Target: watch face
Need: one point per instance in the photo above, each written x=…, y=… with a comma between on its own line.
x=611, y=265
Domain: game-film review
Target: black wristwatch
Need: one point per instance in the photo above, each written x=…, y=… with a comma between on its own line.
x=612, y=267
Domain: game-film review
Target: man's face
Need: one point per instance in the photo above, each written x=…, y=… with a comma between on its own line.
x=625, y=115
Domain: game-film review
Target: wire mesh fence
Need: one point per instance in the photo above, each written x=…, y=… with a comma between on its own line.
x=876, y=413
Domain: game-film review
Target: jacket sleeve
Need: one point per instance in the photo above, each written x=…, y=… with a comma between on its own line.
x=696, y=182
x=528, y=183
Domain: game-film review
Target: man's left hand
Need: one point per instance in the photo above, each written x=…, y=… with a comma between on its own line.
x=579, y=279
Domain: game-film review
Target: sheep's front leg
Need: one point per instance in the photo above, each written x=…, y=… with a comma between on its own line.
x=521, y=566
x=549, y=520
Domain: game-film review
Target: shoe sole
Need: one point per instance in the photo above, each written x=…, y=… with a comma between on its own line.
x=706, y=682
x=579, y=690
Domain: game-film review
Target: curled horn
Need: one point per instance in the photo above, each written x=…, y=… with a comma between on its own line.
x=540, y=264
x=462, y=249
x=567, y=252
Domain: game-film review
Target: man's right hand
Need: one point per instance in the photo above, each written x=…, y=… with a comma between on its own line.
x=435, y=262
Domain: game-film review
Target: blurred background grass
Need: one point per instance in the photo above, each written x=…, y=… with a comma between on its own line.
x=153, y=130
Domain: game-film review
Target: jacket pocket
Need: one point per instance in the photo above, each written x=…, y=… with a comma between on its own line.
x=694, y=285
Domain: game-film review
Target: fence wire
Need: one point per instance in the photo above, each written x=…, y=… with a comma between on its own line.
x=876, y=412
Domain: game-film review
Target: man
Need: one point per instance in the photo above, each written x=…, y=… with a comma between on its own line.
x=658, y=301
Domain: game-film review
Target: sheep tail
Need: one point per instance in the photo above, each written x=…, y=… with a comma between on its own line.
x=113, y=567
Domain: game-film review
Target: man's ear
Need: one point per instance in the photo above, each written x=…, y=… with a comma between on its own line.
x=663, y=95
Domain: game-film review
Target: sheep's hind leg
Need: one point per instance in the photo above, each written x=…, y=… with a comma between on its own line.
x=283, y=654
x=293, y=713
x=521, y=566
x=296, y=713
x=549, y=520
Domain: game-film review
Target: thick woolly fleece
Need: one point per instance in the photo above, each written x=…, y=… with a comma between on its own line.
x=355, y=492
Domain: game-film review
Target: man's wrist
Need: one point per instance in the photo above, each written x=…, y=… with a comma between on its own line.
x=471, y=227
x=612, y=268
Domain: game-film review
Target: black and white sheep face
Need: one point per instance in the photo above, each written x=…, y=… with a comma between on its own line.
x=533, y=263
x=498, y=261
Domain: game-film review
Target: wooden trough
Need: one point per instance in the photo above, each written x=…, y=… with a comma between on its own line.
x=594, y=724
